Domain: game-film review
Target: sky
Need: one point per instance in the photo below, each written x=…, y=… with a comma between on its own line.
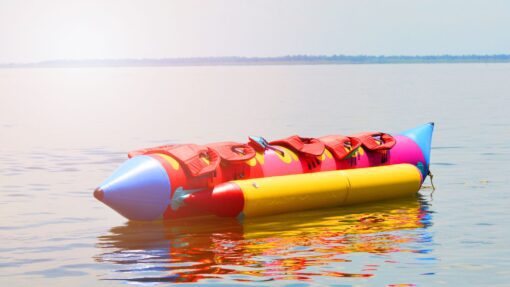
x=34, y=30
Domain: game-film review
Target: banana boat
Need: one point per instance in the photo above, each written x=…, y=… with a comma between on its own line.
x=262, y=178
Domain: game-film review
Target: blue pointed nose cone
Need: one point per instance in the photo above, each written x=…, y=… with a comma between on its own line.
x=139, y=189
x=422, y=136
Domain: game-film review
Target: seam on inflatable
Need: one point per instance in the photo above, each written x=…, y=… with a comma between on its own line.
x=349, y=187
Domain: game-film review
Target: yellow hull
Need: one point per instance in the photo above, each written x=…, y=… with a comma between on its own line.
x=274, y=195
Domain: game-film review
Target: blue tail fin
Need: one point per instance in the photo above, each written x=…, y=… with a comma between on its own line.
x=422, y=135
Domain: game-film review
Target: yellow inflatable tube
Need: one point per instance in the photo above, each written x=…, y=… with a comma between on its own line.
x=273, y=195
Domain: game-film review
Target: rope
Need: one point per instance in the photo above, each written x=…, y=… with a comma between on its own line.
x=431, y=176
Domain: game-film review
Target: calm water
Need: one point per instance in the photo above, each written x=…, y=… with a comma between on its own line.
x=62, y=131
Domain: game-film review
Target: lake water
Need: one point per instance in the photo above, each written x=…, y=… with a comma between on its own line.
x=62, y=131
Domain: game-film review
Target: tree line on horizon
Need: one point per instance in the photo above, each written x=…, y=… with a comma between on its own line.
x=289, y=59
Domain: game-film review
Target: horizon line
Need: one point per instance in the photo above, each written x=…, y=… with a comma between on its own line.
x=286, y=59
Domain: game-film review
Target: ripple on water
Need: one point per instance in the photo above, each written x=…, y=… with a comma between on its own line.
x=258, y=250
x=58, y=161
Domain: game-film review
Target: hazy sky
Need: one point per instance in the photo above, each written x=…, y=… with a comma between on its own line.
x=35, y=30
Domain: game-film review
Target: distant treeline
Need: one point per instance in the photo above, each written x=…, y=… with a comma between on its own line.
x=285, y=60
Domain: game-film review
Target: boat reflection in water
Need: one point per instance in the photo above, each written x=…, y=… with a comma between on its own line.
x=300, y=246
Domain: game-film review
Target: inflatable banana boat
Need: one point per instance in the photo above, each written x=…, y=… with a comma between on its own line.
x=263, y=178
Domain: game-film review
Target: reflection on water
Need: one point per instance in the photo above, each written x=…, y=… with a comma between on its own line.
x=298, y=246
x=63, y=131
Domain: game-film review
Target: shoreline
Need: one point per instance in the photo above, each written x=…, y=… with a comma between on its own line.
x=275, y=61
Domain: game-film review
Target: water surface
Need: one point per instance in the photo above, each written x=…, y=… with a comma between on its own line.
x=62, y=131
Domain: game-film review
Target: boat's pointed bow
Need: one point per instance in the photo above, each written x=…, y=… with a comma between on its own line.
x=139, y=189
x=422, y=136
